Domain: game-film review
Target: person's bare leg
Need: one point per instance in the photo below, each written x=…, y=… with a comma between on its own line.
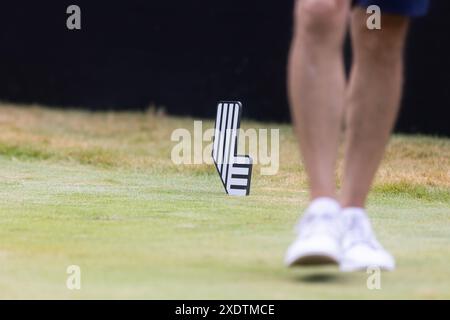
x=374, y=96
x=317, y=87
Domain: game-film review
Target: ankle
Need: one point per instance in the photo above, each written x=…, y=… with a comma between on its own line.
x=352, y=203
x=353, y=210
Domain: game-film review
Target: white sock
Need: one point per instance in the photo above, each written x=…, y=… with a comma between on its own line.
x=324, y=205
x=354, y=211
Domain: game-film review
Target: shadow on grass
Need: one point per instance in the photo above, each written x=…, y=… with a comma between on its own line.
x=319, y=278
x=326, y=276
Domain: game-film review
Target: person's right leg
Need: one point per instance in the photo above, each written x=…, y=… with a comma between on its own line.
x=317, y=94
x=316, y=84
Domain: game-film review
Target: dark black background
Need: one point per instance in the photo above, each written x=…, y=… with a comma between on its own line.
x=187, y=55
x=164, y=309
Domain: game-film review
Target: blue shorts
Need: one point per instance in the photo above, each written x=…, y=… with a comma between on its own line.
x=410, y=8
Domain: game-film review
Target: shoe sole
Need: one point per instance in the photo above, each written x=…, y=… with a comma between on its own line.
x=314, y=258
x=364, y=268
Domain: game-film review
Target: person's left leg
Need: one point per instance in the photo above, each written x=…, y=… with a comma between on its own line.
x=373, y=100
x=374, y=95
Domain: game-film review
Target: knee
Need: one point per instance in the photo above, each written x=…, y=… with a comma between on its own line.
x=320, y=17
x=385, y=45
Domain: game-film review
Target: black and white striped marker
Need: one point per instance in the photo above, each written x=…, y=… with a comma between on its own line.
x=235, y=171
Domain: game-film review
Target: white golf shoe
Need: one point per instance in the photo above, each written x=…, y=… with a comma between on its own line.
x=360, y=248
x=318, y=235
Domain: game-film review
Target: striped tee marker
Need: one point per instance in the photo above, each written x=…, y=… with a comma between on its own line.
x=235, y=171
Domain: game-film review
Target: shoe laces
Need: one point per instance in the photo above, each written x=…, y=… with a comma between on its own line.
x=313, y=223
x=359, y=231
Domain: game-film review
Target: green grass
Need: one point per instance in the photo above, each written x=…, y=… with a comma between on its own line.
x=99, y=191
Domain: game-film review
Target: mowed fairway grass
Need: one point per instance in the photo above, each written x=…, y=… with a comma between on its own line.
x=99, y=190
